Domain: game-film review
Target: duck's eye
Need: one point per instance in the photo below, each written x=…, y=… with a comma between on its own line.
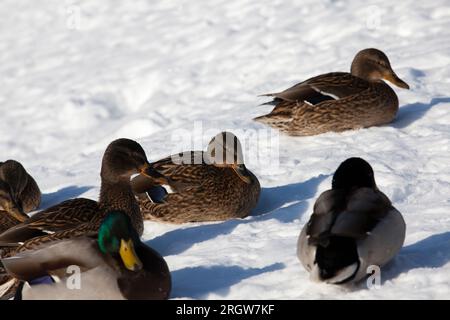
x=381, y=63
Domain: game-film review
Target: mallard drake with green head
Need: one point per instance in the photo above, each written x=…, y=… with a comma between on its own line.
x=19, y=192
x=76, y=217
x=353, y=226
x=338, y=101
x=113, y=265
x=205, y=186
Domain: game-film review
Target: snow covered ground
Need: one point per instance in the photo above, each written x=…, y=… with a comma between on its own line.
x=75, y=75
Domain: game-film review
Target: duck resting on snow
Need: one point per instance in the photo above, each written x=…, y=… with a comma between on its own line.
x=353, y=226
x=80, y=216
x=338, y=101
x=205, y=186
x=19, y=194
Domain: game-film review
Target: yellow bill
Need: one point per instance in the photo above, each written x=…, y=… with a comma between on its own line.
x=129, y=256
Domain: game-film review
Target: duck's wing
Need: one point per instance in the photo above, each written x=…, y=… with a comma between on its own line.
x=178, y=171
x=7, y=221
x=330, y=86
x=53, y=257
x=326, y=208
x=365, y=208
x=66, y=215
x=354, y=215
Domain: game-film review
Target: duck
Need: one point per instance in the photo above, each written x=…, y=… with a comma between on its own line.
x=80, y=216
x=114, y=264
x=353, y=226
x=19, y=193
x=338, y=101
x=197, y=186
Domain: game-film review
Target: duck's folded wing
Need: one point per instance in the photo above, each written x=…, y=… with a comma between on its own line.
x=365, y=208
x=177, y=171
x=6, y=221
x=330, y=86
x=326, y=207
x=66, y=215
x=57, y=256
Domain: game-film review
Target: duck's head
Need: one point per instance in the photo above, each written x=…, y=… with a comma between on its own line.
x=372, y=64
x=225, y=150
x=354, y=173
x=122, y=159
x=117, y=238
x=10, y=204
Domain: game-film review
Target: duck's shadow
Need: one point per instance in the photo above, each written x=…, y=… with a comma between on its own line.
x=276, y=197
x=50, y=199
x=409, y=113
x=284, y=203
x=431, y=252
x=197, y=282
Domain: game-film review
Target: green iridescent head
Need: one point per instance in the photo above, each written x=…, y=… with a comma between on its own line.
x=117, y=237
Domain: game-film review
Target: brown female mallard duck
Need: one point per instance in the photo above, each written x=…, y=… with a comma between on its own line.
x=76, y=217
x=113, y=265
x=206, y=186
x=339, y=101
x=19, y=192
x=353, y=226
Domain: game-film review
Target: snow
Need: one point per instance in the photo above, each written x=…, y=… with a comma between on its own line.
x=77, y=74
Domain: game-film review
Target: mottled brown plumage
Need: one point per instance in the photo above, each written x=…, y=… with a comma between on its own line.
x=339, y=101
x=8, y=285
x=204, y=187
x=19, y=192
x=77, y=217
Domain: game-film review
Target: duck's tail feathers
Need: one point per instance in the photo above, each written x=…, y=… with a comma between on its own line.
x=337, y=262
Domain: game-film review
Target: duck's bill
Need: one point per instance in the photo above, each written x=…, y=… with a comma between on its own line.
x=145, y=170
x=394, y=79
x=128, y=255
x=17, y=212
x=150, y=172
x=242, y=172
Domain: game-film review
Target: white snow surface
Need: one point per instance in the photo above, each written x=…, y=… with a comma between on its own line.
x=74, y=75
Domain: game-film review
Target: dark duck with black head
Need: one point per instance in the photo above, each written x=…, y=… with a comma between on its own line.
x=353, y=226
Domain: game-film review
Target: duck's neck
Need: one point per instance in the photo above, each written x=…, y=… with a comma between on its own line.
x=117, y=195
x=361, y=69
